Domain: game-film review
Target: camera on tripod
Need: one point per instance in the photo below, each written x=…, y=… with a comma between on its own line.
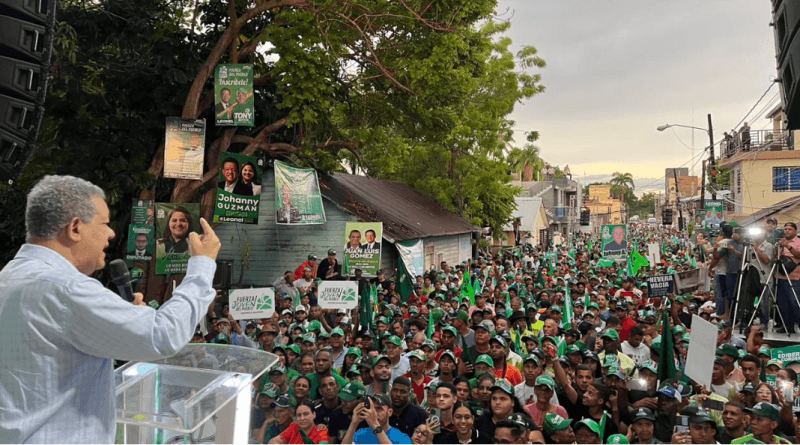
x=751, y=234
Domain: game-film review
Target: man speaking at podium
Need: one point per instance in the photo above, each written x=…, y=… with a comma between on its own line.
x=61, y=329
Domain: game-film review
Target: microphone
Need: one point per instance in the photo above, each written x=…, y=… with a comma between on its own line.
x=122, y=278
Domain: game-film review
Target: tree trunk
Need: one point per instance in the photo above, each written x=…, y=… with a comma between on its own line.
x=527, y=173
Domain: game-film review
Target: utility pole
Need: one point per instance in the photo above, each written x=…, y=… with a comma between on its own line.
x=703, y=189
x=678, y=199
x=711, y=159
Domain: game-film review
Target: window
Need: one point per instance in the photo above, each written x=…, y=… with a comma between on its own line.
x=786, y=179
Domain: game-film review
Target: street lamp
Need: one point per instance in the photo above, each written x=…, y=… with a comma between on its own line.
x=710, y=132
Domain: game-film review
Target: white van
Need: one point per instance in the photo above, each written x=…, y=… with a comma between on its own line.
x=652, y=222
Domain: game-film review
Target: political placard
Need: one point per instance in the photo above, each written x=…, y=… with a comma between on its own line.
x=246, y=304
x=786, y=354
x=238, y=189
x=702, y=349
x=614, y=238
x=184, y=148
x=140, y=244
x=660, y=285
x=297, y=197
x=174, y=222
x=142, y=212
x=362, y=248
x=337, y=294
x=714, y=215
x=233, y=95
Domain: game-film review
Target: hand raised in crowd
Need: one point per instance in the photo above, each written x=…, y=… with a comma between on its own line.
x=138, y=299
x=204, y=245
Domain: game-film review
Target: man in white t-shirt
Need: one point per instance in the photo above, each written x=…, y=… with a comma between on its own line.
x=634, y=347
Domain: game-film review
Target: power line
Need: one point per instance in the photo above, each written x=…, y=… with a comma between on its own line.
x=755, y=105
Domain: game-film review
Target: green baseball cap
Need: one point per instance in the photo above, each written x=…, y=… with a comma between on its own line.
x=395, y=340
x=462, y=315
x=353, y=370
x=555, y=308
x=764, y=350
x=611, y=333
x=222, y=339
x=655, y=346
x=617, y=439
x=589, y=423
x=775, y=362
x=270, y=391
x=352, y=390
x=553, y=422
x=311, y=338
x=503, y=385
x=684, y=338
x=650, y=366
x=331, y=252
x=545, y=380
x=678, y=330
x=451, y=330
x=765, y=409
x=323, y=334
x=417, y=354
x=353, y=351
x=592, y=304
x=379, y=358
x=485, y=359
x=572, y=349
x=314, y=325
x=533, y=357
x=337, y=331
x=429, y=344
x=728, y=349
x=294, y=348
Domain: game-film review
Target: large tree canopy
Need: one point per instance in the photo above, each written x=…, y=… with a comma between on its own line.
x=411, y=90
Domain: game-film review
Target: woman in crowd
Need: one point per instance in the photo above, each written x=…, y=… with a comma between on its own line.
x=303, y=430
x=462, y=388
x=484, y=390
x=464, y=421
x=503, y=404
x=301, y=387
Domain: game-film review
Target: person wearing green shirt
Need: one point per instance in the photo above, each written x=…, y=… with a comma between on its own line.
x=323, y=365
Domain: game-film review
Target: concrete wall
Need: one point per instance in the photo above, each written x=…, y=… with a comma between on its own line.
x=452, y=248
x=757, y=179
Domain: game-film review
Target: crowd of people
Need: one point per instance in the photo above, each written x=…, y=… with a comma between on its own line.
x=523, y=345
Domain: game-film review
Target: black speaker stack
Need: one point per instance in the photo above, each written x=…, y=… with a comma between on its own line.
x=786, y=24
x=26, y=35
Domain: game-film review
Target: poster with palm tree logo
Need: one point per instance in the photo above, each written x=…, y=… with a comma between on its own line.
x=247, y=304
x=338, y=294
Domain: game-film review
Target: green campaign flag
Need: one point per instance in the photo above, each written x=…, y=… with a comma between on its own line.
x=637, y=261
x=405, y=287
x=467, y=290
x=571, y=253
x=518, y=342
x=605, y=262
x=589, y=244
x=540, y=278
x=430, y=324
x=694, y=263
x=666, y=361
x=567, y=315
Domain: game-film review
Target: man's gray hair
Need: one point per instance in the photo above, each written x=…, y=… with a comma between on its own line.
x=54, y=201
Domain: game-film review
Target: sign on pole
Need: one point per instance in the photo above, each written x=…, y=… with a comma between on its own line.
x=660, y=286
x=142, y=212
x=246, y=304
x=184, y=148
x=233, y=95
x=140, y=243
x=702, y=350
x=238, y=189
x=174, y=222
x=714, y=215
x=614, y=238
x=297, y=195
x=338, y=295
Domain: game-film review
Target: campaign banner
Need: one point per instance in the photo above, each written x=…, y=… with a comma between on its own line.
x=297, y=197
x=702, y=348
x=184, y=148
x=247, y=304
x=337, y=295
x=362, y=248
x=660, y=286
x=714, y=215
x=140, y=243
x=238, y=189
x=689, y=280
x=233, y=95
x=786, y=354
x=614, y=238
x=412, y=254
x=174, y=222
x=142, y=212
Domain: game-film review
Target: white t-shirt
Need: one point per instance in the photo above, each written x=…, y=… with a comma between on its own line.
x=523, y=393
x=639, y=354
x=402, y=367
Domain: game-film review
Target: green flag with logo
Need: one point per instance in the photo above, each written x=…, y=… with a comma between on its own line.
x=405, y=286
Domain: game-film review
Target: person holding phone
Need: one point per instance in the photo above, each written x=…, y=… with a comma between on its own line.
x=375, y=410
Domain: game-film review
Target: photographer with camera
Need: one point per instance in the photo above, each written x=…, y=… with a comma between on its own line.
x=789, y=258
x=765, y=251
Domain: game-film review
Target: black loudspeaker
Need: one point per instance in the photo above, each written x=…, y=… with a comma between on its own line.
x=25, y=50
x=786, y=24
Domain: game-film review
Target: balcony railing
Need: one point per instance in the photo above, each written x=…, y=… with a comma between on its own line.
x=760, y=140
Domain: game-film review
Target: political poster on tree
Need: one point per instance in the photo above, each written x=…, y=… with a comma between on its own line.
x=174, y=222
x=297, y=197
x=362, y=247
x=238, y=189
x=184, y=148
x=337, y=295
x=142, y=212
x=247, y=304
x=233, y=95
x=140, y=244
x=713, y=216
x=614, y=238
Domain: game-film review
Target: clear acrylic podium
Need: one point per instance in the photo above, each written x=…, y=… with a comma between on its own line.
x=201, y=395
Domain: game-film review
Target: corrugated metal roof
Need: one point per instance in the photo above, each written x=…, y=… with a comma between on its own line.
x=528, y=211
x=405, y=214
x=772, y=210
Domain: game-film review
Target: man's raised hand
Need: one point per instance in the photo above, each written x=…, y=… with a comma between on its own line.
x=204, y=245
